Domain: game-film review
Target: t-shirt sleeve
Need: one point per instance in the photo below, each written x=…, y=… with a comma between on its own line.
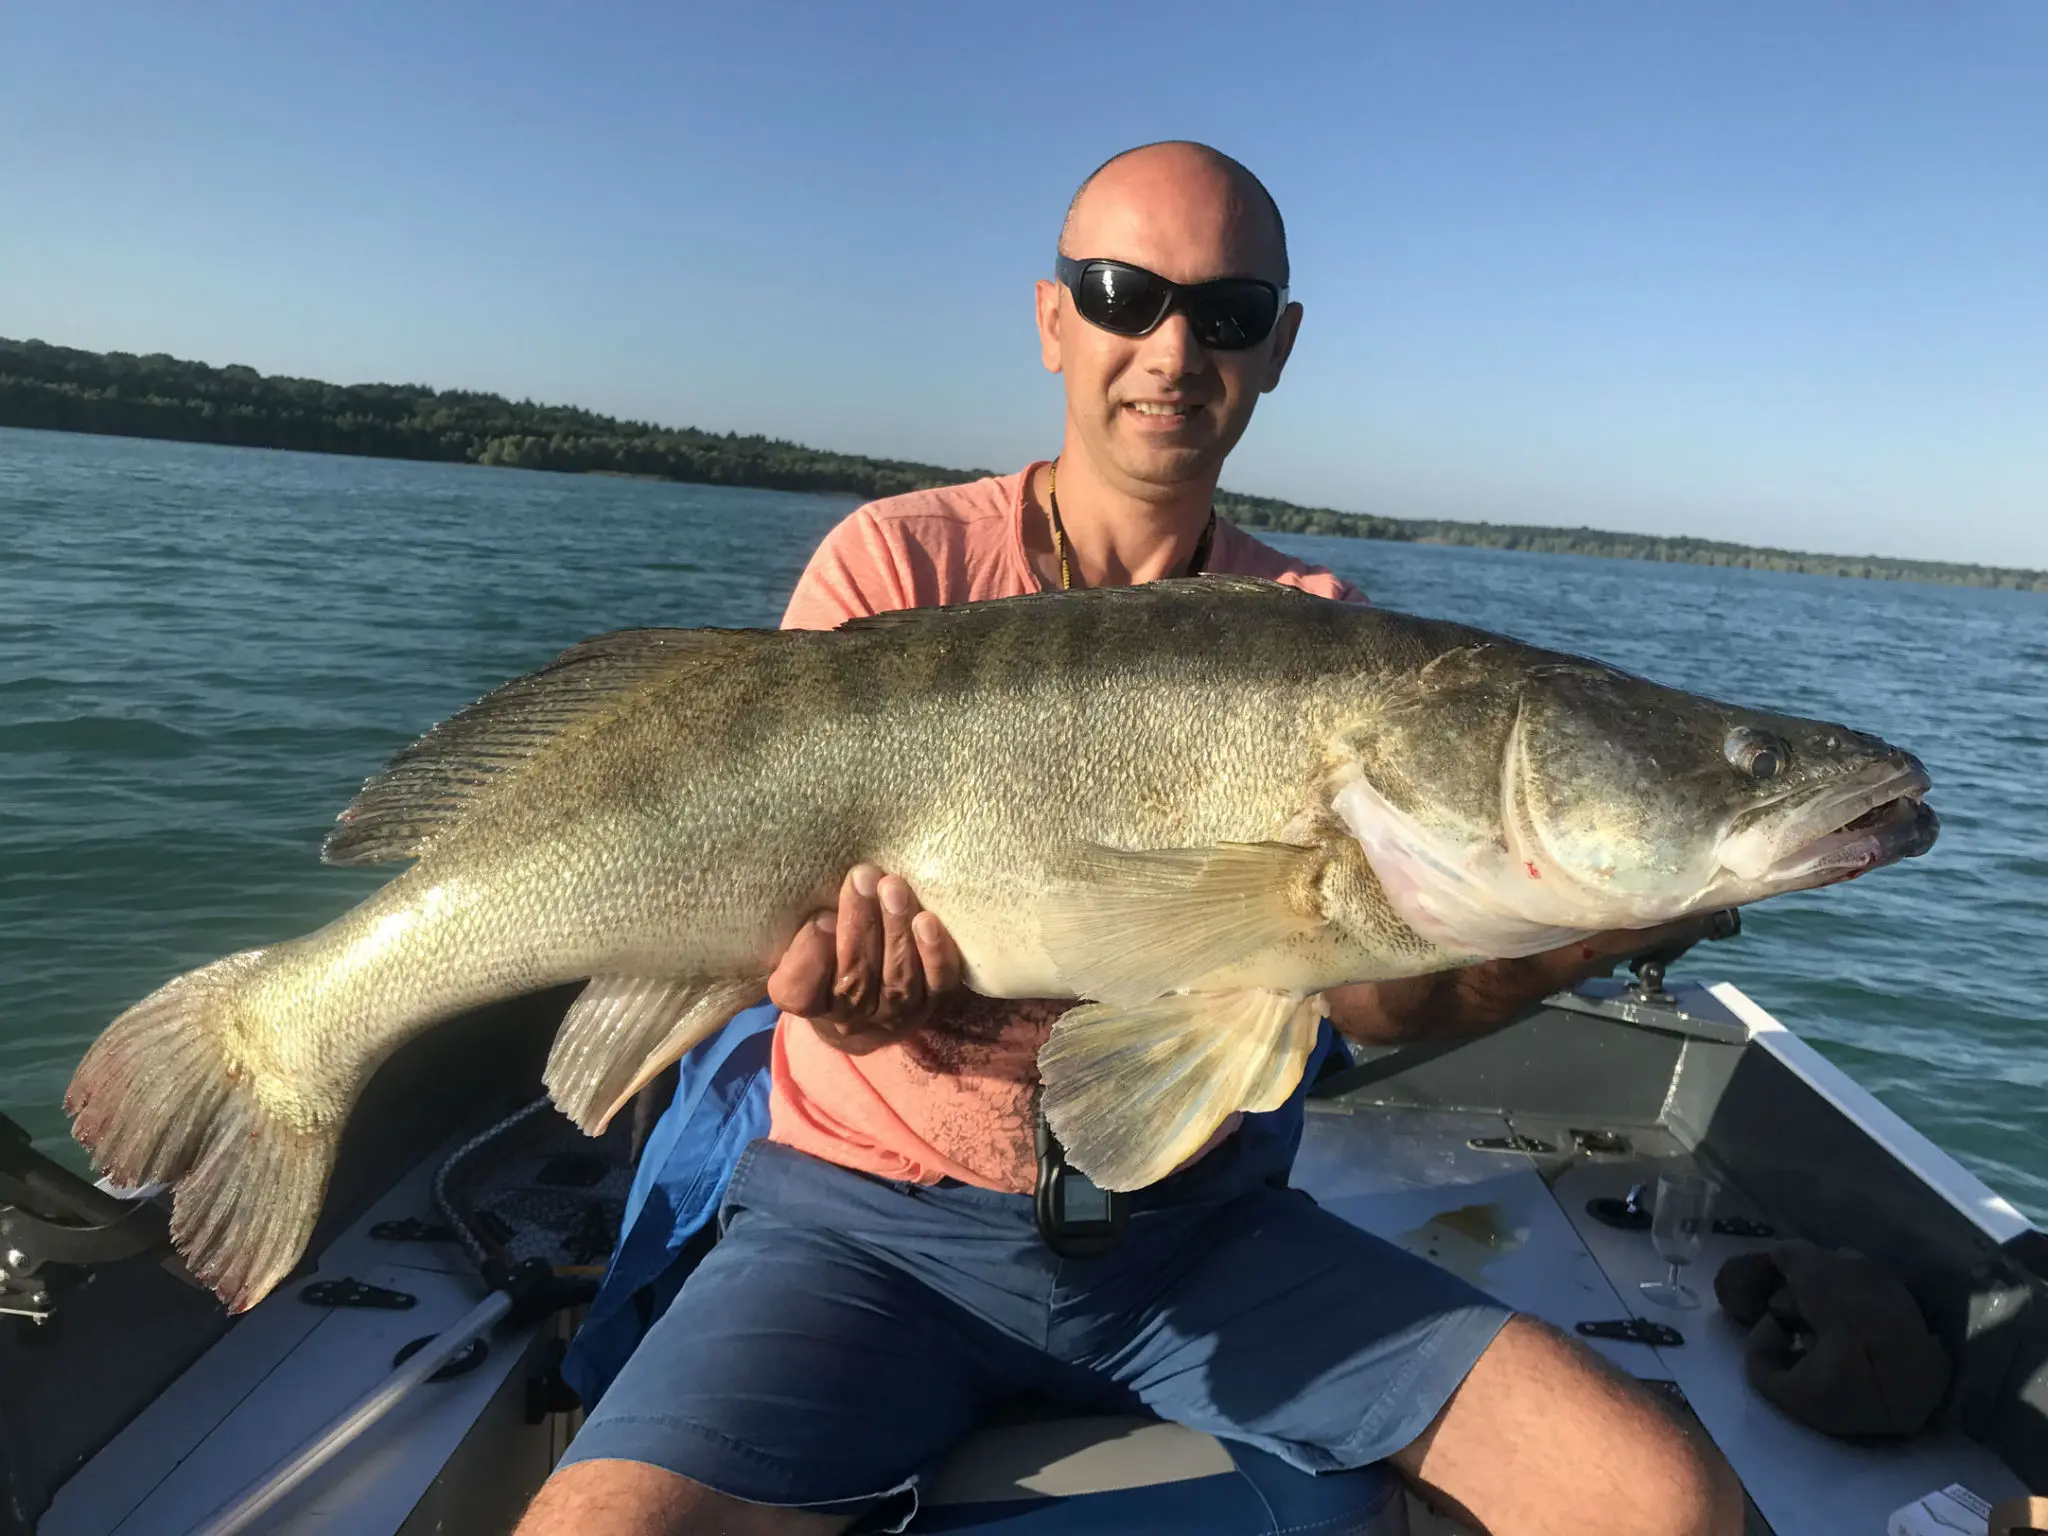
x=1329, y=584
x=1243, y=555
x=852, y=574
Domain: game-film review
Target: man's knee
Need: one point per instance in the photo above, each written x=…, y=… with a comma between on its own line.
x=1695, y=1491
x=1544, y=1433
x=631, y=1498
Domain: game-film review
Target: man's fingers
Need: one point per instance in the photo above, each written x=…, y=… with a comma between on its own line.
x=902, y=991
x=858, y=984
x=801, y=982
x=870, y=969
x=939, y=954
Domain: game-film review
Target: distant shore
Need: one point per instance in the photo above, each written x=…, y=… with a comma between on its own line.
x=118, y=393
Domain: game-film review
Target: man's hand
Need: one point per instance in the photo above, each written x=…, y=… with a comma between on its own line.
x=870, y=971
x=1479, y=998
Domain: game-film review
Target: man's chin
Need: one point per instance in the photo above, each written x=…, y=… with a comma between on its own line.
x=1167, y=466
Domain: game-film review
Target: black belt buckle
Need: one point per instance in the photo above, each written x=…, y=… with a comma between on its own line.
x=1077, y=1217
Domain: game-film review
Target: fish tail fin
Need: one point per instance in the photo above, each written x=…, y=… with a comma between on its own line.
x=158, y=1100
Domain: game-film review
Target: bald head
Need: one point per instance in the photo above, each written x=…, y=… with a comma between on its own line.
x=1172, y=184
x=1152, y=412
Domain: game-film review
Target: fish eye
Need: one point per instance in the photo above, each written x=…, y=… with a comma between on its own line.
x=1756, y=754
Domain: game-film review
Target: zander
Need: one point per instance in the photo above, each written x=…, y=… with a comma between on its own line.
x=1194, y=804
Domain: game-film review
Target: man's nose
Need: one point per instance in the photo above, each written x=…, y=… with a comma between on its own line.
x=1171, y=351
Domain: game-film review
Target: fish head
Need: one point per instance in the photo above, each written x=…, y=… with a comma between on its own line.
x=1662, y=803
x=1516, y=800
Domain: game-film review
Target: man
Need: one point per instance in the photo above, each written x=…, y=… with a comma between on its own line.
x=880, y=1281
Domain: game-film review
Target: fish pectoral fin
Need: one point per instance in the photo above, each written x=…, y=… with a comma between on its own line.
x=1134, y=1092
x=624, y=1029
x=1124, y=927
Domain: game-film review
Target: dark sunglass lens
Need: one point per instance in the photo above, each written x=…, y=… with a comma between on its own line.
x=1229, y=317
x=1122, y=299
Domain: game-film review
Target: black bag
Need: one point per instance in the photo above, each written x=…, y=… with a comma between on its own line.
x=1835, y=1340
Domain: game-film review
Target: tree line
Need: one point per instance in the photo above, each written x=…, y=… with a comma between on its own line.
x=64, y=389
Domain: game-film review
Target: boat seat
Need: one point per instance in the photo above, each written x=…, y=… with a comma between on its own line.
x=1026, y=1474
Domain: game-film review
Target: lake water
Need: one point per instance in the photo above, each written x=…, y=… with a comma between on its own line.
x=203, y=652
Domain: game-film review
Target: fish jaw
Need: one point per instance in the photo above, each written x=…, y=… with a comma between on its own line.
x=1902, y=828
x=1867, y=821
x=1877, y=824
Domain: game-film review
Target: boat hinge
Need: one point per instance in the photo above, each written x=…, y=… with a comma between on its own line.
x=351, y=1292
x=1634, y=1330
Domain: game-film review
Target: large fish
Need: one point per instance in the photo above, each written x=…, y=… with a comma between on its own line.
x=1195, y=803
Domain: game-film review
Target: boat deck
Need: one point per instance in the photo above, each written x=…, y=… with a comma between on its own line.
x=285, y=1370
x=1393, y=1154
x=1520, y=1231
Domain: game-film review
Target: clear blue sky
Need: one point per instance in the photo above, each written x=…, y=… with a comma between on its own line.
x=1769, y=271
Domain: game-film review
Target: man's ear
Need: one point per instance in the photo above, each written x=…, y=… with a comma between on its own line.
x=1049, y=326
x=1284, y=332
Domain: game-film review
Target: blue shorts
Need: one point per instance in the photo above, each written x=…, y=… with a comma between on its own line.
x=847, y=1331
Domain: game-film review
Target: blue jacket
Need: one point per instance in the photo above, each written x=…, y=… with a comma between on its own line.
x=721, y=1104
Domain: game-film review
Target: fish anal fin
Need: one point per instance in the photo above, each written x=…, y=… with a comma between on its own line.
x=434, y=783
x=1289, y=1058
x=1133, y=1092
x=1126, y=926
x=623, y=1030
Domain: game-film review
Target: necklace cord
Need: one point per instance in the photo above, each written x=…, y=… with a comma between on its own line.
x=1059, y=532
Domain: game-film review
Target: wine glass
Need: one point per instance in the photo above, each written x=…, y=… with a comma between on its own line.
x=1678, y=1225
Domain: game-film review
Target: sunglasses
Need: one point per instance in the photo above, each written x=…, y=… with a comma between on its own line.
x=1227, y=314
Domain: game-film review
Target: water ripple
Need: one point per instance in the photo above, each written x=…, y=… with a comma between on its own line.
x=205, y=651
x=105, y=735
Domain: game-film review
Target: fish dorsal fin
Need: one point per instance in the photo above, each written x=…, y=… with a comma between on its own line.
x=1124, y=926
x=433, y=783
x=1132, y=1093
x=1172, y=590
x=624, y=1029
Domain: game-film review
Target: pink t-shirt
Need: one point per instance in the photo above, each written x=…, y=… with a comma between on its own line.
x=955, y=1098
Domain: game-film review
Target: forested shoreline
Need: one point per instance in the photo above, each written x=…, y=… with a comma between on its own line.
x=64, y=389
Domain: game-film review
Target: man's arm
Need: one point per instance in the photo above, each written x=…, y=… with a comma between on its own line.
x=1478, y=999
x=881, y=965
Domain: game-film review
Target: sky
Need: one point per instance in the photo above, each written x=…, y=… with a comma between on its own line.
x=1766, y=270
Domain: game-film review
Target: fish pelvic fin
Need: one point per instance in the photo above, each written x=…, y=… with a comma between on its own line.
x=434, y=783
x=158, y=1100
x=1125, y=926
x=1134, y=1092
x=623, y=1030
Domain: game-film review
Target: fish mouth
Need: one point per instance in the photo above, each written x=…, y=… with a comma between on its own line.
x=1857, y=829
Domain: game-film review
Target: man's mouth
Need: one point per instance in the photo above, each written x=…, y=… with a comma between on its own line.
x=1162, y=410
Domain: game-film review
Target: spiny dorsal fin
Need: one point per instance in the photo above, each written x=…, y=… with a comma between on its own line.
x=433, y=783
x=1169, y=590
